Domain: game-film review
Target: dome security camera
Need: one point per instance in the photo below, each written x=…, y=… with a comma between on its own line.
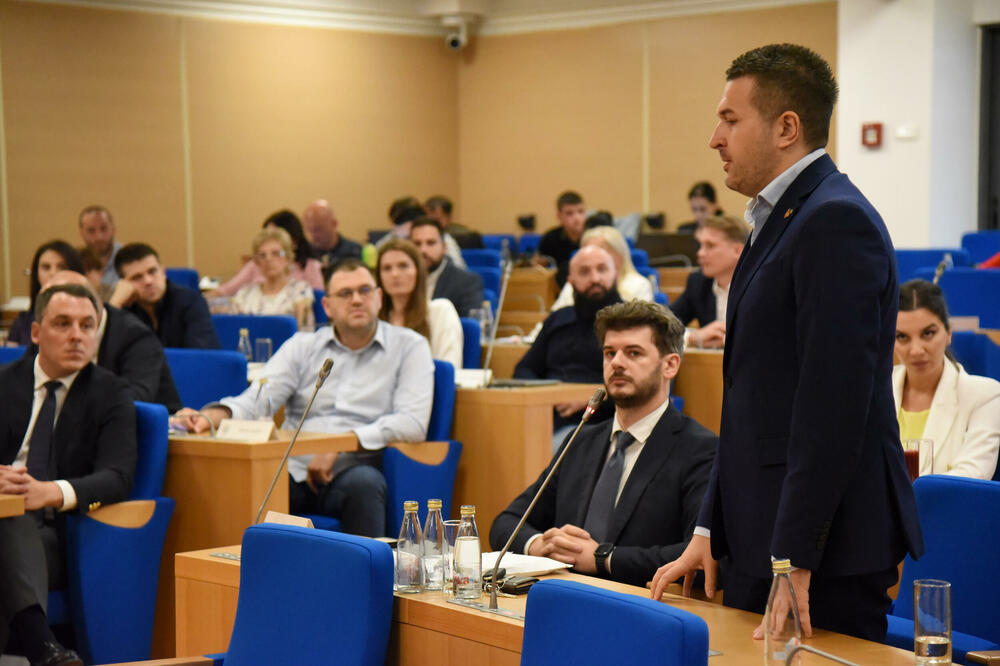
x=458, y=37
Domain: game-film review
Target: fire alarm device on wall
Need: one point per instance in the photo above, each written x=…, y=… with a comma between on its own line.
x=871, y=135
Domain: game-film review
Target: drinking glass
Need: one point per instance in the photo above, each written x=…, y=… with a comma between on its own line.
x=932, y=621
x=262, y=350
x=450, y=535
x=919, y=455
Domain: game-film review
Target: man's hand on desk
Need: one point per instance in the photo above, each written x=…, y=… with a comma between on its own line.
x=197, y=422
x=37, y=494
x=709, y=336
x=567, y=409
x=320, y=470
x=569, y=544
x=697, y=556
x=800, y=583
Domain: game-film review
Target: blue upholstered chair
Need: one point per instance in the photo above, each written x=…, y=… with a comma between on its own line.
x=961, y=547
x=277, y=327
x=491, y=282
x=186, y=277
x=973, y=292
x=495, y=242
x=640, y=258
x=650, y=274
x=908, y=262
x=311, y=597
x=113, y=558
x=492, y=296
x=661, y=298
x=472, y=346
x=318, y=312
x=977, y=353
x=443, y=409
x=527, y=244
x=10, y=354
x=571, y=623
x=487, y=258
x=205, y=375
x=981, y=245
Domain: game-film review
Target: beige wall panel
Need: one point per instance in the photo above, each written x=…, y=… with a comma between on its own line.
x=544, y=112
x=283, y=115
x=92, y=115
x=688, y=60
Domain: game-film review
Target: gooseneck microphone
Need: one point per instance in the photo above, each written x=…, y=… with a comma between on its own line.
x=507, y=268
x=324, y=372
x=592, y=405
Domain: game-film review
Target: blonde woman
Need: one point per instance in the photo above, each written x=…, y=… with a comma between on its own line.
x=278, y=292
x=630, y=284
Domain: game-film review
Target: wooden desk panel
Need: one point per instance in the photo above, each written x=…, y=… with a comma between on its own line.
x=515, y=322
x=505, y=358
x=674, y=277
x=507, y=439
x=11, y=505
x=531, y=289
x=429, y=631
x=699, y=382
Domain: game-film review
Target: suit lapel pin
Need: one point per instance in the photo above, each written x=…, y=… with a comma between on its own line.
x=788, y=213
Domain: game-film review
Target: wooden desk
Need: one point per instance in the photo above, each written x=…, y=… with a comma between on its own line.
x=519, y=322
x=11, y=505
x=507, y=439
x=428, y=630
x=505, y=358
x=218, y=486
x=674, y=277
x=699, y=382
x=532, y=288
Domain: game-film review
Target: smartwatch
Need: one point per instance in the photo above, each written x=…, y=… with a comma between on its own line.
x=601, y=555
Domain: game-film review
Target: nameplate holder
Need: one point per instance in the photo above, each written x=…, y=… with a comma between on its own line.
x=250, y=432
x=473, y=378
x=287, y=519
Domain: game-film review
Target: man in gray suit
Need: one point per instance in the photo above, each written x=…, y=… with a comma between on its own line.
x=444, y=279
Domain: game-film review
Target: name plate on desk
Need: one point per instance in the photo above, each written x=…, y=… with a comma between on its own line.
x=251, y=432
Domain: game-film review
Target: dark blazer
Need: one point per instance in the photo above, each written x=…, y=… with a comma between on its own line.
x=182, y=319
x=809, y=464
x=94, y=439
x=697, y=301
x=463, y=288
x=656, y=512
x=131, y=350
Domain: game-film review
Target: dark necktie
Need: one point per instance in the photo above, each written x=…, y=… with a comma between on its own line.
x=40, y=444
x=602, y=502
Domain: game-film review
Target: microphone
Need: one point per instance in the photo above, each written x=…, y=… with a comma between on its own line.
x=592, y=405
x=324, y=372
x=946, y=262
x=496, y=320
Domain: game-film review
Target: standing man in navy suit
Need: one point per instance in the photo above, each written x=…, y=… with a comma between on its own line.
x=809, y=465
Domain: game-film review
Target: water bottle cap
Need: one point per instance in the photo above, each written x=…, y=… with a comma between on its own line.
x=781, y=566
x=468, y=510
x=410, y=505
x=433, y=504
x=244, y=331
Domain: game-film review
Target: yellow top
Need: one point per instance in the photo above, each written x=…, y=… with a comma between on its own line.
x=410, y=505
x=911, y=424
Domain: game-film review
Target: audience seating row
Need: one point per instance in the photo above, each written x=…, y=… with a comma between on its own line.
x=970, y=292
x=981, y=245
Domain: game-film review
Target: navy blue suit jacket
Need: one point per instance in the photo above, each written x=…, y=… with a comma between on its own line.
x=809, y=464
x=697, y=301
x=182, y=317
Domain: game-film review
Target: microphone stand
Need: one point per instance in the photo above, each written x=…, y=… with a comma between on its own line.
x=592, y=406
x=323, y=374
x=496, y=321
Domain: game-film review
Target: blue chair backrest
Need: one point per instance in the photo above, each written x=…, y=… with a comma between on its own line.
x=292, y=579
x=908, y=262
x=528, y=243
x=186, y=277
x=661, y=298
x=151, y=438
x=495, y=242
x=488, y=258
x=972, y=292
x=408, y=479
x=571, y=623
x=318, y=310
x=650, y=274
x=981, y=245
x=960, y=547
x=277, y=327
x=977, y=353
x=640, y=258
x=472, y=347
x=491, y=277
x=443, y=409
x=491, y=296
x=205, y=375
x=10, y=354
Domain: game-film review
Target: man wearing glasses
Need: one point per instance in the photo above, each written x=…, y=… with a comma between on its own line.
x=380, y=388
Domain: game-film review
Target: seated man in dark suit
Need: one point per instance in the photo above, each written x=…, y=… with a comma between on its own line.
x=559, y=243
x=707, y=292
x=126, y=347
x=629, y=489
x=179, y=316
x=67, y=444
x=444, y=279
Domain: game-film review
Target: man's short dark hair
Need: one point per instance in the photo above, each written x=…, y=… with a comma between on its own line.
x=702, y=189
x=789, y=77
x=427, y=222
x=75, y=290
x=668, y=331
x=132, y=252
x=568, y=198
x=401, y=204
x=348, y=265
x=439, y=202
x=95, y=209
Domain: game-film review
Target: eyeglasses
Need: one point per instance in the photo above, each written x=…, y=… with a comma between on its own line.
x=347, y=294
x=273, y=254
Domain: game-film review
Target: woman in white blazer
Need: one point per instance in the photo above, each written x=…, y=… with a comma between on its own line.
x=403, y=280
x=935, y=398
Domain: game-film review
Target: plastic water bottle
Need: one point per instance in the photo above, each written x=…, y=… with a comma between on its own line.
x=243, y=346
x=263, y=407
x=409, y=571
x=504, y=252
x=434, y=547
x=781, y=617
x=468, y=557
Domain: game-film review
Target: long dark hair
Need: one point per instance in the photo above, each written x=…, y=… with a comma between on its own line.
x=415, y=315
x=289, y=221
x=921, y=294
x=63, y=249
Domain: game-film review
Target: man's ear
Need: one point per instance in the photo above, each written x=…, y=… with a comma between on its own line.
x=671, y=365
x=35, y=330
x=787, y=129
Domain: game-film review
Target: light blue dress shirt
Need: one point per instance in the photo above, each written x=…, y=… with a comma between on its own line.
x=759, y=208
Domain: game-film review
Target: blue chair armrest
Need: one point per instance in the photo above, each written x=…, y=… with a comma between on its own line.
x=900, y=635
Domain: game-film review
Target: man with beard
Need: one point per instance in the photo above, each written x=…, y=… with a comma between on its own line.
x=97, y=230
x=566, y=348
x=629, y=489
x=445, y=278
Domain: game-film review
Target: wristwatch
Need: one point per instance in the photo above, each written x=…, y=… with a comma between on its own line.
x=601, y=555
